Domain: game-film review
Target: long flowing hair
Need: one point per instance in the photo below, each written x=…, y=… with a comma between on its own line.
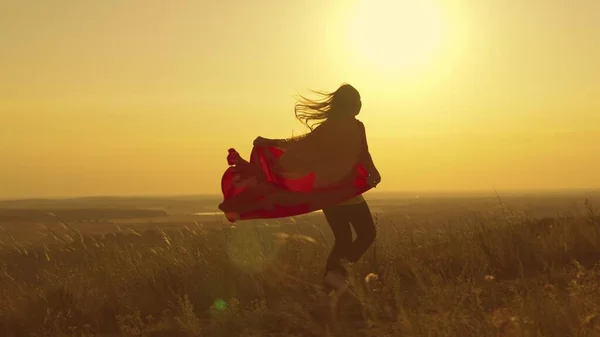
x=313, y=112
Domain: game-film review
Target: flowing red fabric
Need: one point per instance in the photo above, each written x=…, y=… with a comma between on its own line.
x=255, y=190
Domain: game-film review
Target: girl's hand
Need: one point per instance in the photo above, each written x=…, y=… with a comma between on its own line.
x=260, y=141
x=374, y=179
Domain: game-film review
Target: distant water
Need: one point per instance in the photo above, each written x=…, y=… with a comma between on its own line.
x=221, y=213
x=209, y=213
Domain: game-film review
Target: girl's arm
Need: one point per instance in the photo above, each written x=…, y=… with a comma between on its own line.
x=367, y=160
x=260, y=141
x=374, y=177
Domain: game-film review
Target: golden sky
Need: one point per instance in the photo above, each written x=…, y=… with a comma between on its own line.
x=145, y=97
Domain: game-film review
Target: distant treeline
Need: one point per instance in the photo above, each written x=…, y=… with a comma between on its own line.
x=79, y=214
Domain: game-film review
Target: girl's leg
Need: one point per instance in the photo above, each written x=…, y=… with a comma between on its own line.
x=362, y=222
x=340, y=226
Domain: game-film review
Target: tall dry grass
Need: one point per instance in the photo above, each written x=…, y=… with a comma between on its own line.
x=485, y=276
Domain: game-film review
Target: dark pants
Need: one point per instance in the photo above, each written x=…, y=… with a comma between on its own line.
x=340, y=217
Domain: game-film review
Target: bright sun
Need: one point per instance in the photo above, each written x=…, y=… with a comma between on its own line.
x=395, y=35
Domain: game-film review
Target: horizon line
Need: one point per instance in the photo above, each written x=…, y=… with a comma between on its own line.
x=397, y=192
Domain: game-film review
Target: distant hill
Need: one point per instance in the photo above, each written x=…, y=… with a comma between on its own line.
x=79, y=214
x=171, y=205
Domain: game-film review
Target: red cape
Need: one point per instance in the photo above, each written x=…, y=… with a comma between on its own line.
x=252, y=190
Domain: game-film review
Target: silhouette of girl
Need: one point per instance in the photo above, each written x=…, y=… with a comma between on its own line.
x=341, y=106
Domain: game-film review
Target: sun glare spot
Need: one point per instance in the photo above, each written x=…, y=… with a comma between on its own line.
x=395, y=35
x=220, y=304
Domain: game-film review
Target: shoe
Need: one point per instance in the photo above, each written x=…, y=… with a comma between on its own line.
x=346, y=265
x=335, y=281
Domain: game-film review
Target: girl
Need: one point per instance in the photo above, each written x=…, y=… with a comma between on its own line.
x=341, y=106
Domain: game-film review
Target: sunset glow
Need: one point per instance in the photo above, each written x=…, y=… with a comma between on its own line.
x=396, y=36
x=145, y=97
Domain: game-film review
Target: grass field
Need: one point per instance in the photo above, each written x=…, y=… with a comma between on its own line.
x=500, y=274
